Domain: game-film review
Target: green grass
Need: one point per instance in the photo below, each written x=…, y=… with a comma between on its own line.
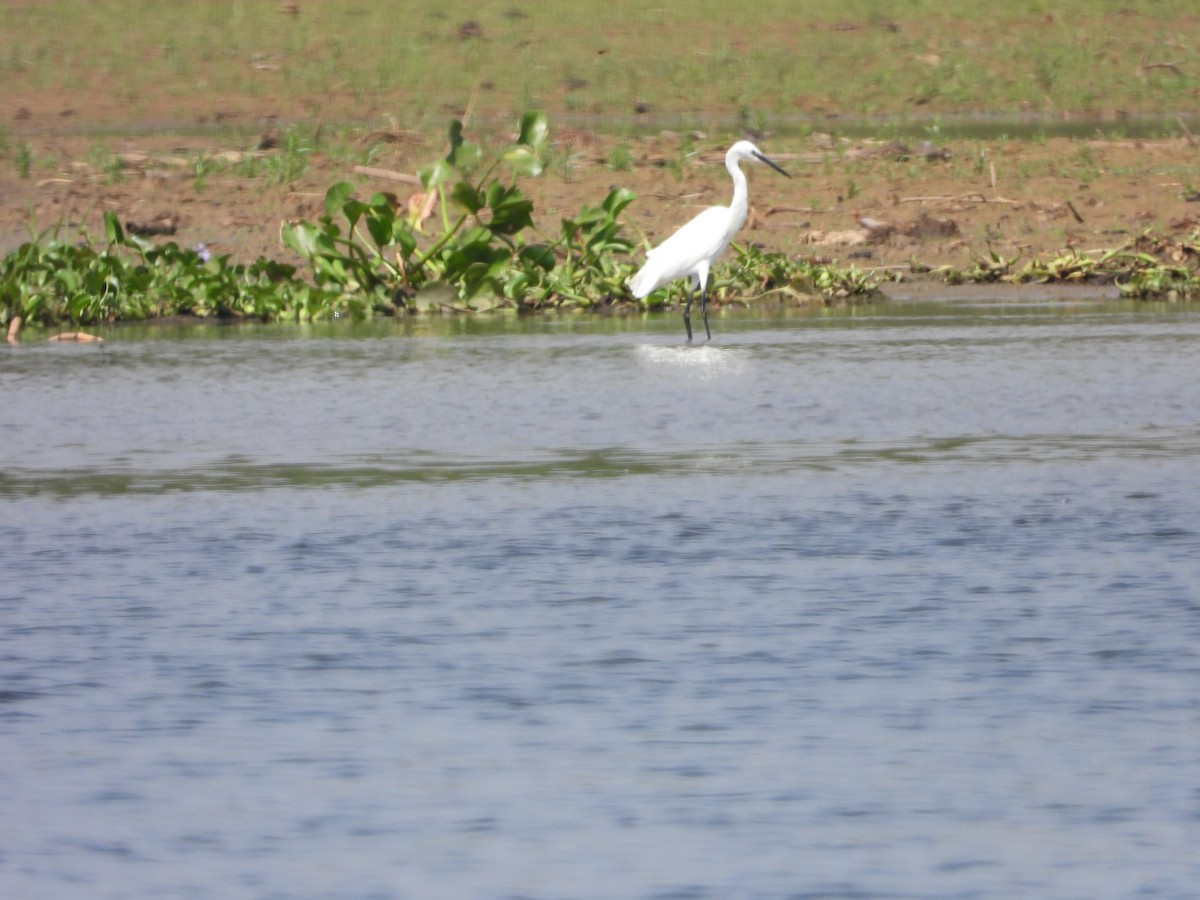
x=757, y=62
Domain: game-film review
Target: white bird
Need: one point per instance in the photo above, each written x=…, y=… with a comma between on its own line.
x=691, y=250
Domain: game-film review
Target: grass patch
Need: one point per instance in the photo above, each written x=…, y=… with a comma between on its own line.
x=344, y=59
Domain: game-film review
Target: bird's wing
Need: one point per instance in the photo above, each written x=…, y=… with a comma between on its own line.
x=699, y=238
x=704, y=237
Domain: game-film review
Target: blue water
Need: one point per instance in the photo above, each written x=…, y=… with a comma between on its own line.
x=903, y=602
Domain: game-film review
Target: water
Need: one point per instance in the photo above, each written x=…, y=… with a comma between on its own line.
x=894, y=603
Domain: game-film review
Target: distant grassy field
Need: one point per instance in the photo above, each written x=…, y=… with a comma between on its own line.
x=142, y=62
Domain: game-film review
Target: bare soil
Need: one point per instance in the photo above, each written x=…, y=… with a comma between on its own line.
x=867, y=203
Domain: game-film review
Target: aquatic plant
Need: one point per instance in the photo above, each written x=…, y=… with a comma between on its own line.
x=483, y=259
x=372, y=247
x=1153, y=266
x=50, y=279
x=756, y=273
x=1150, y=266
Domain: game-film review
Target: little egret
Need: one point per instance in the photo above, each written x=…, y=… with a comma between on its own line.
x=695, y=247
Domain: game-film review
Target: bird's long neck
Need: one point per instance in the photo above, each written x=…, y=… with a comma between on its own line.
x=740, y=201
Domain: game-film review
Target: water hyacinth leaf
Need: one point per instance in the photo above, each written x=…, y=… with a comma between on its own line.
x=336, y=196
x=303, y=238
x=454, y=134
x=380, y=228
x=535, y=129
x=511, y=211
x=475, y=266
x=499, y=263
x=113, y=232
x=403, y=238
x=272, y=270
x=435, y=174
x=466, y=156
x=468, y=197
x=617, y=200
x=476, y=236
x=524, y=161
x=539, y=255
x=353, y=210
x=517, y=286
x=69, y=279
x=473, y=253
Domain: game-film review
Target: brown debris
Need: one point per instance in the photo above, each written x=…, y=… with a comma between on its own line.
x=388, y=174
x=898, y=151
x=469, y=30
x=420, y=207
x=392, y=136
x=75, y=337
x=877, y=231
x=926, y=226
x=165, y=223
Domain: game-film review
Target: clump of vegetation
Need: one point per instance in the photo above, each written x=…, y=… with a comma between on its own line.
x=1150, y=266
x=370, y=257
x=483, y=259
x=620, y=158
x=24, y=160
x=50, y=280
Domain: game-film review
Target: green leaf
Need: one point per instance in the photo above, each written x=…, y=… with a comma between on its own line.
x=381, y=229
x=454, y=134
x=535, y=129
x=516, y=286
x=69, y=279
x=539, y=255
x=403, y=238
x=301, y=237
x=466, y=155
x=436, y=174
x=524, y=161
x=466, y=196
x=475, y=236
x=353, y=210
x=511, y=212
x=617, y=200
x=113, y=232
x=336, y=196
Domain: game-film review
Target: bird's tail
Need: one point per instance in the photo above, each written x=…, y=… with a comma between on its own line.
x=645, y=280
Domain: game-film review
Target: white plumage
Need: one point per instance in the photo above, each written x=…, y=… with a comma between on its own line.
x=691, y=251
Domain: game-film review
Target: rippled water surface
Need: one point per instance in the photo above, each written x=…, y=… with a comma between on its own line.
x=896, y=603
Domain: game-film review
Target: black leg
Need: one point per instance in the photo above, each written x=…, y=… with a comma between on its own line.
x=687, y=314
x=704, y=309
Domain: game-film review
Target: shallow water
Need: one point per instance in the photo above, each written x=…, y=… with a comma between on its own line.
x=899, y=602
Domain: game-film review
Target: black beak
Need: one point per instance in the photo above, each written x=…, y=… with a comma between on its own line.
x=762, y=158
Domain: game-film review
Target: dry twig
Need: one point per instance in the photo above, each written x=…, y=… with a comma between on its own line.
x=388, y=174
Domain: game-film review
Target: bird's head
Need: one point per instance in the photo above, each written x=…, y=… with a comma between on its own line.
x=746, y=150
